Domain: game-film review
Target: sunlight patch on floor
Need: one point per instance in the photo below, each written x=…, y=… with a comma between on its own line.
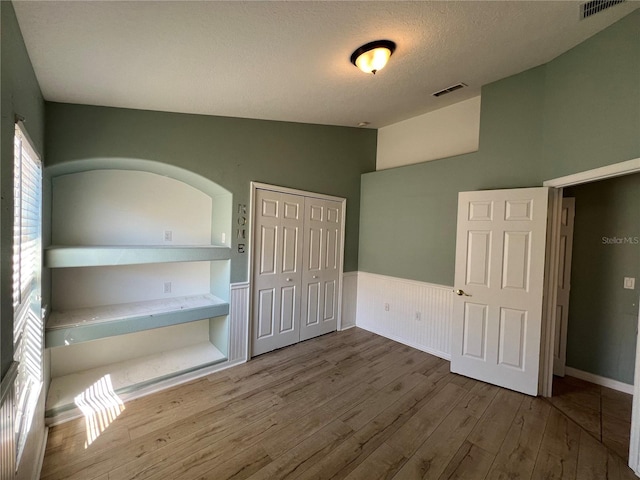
x=100, y=406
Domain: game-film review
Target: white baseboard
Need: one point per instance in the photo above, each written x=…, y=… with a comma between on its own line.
x=430, y=351
x=598, y=380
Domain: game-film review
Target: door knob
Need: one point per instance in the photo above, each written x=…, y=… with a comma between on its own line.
x=289, y=279
x=315, y=276
x=461, y=293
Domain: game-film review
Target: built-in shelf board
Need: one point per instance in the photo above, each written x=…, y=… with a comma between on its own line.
x=94, y=256
x=91, y=323
x=129, y=376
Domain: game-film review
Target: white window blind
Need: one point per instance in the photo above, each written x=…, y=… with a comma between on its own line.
x=27, y=317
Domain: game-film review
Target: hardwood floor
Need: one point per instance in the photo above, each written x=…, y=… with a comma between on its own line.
x=603, y=412
x=348, y=405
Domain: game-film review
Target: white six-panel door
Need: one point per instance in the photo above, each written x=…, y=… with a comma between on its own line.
x=277, y=272
x=564, y=285
x=499, y=278
x=321, y=267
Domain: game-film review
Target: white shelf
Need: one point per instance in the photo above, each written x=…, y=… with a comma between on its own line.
x=127, y=211
x=91, y=323
x=102, y=255
x=131, y=375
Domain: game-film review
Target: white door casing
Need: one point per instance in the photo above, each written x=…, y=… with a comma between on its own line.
x=499, y=274
x=564, y=285
x=277, y=270
x=321, y=267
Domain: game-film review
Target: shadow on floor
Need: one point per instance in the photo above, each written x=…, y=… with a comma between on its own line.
x=603, y=412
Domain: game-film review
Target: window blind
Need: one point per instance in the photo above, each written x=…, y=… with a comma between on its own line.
x=27, y=318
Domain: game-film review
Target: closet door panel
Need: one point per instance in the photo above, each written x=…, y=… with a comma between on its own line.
x=331, y=249
x=288, y=306
x=268, y=256
x=266, y=312
x=290, y=249
x=277, y=278
x=321, y=269
x=313, y=304
x=330, y=301
x=313, y=250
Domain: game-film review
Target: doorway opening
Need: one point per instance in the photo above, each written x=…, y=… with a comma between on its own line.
x=598, y=309
x=603, y=317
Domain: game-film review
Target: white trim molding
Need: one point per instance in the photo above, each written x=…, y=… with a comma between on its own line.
x=295, y=191
x=598, y=380
x=602, y=173
x=419, y=314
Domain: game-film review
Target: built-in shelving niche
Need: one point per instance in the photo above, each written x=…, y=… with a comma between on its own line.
x=139, y=267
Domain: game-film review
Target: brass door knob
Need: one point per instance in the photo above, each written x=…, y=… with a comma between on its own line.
x=460, y=293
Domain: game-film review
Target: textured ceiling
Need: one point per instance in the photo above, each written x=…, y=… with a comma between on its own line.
x=290, y=60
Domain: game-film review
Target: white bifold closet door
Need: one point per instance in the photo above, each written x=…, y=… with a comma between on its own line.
x=277, y=271
x=320, y=267
x=296, y=271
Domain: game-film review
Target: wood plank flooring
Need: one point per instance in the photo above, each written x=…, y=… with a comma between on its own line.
x=348, y=405
x=603, y=412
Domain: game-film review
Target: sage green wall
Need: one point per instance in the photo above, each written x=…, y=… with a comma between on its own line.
x=578, y=112
x=592, y=102
x=230, y=151
x=20, y=95
x=606, y=248
x=408, y=214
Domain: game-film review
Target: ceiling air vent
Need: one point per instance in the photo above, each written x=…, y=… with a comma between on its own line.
x=450, y=89
x=596, y=6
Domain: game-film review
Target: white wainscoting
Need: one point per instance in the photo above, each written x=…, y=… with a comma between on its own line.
x=238, y=322
x=7, y=431
x=349, y=299
x=419, y=313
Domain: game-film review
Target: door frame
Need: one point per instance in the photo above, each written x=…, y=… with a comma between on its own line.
x=546, y=371
x=250, y=251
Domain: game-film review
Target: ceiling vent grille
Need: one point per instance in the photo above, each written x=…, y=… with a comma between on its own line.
x=450, y=89
x=596, y=6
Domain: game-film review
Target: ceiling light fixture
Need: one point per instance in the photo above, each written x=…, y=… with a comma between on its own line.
x=373, y=56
